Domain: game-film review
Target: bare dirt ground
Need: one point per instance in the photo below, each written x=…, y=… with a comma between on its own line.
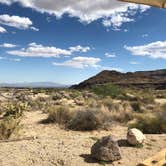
x=53, y=146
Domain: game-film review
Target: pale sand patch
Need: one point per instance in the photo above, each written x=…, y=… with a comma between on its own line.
x=160, y=101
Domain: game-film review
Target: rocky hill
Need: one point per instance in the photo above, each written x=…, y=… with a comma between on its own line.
x=141, y=79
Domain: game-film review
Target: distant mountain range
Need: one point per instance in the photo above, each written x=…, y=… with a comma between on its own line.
x=34, y=85
x=141, y=79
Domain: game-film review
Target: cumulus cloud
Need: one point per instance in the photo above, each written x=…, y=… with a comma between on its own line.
x=7, y=45
x=79, y=49
x=153, y=50
x=38, y=50
x=116, y=21
x=2, y=30
x=80, y=62
x=109, y=55
x=16, y=22
x=112, y=12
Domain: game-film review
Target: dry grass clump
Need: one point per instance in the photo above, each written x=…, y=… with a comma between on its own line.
x=150, y=123
x=121, y=112
x=90, y=119
x=61, y=115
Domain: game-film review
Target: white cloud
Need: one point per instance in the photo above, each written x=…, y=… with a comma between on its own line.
x=80, y=62
x=16, y=21
x=38, y=50
x=116, y=21
x=153, y=50
x=7, y=45
x=7, y=2
x=111, y=68
x=79, y=49
x=87, y=10
x=109, y=55
x=2, y=30
x=34, y=29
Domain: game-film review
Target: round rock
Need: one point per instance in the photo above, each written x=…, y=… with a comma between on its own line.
x=106, y=149
x=135, y=137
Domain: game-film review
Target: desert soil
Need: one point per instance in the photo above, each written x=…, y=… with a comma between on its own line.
x=53, y=146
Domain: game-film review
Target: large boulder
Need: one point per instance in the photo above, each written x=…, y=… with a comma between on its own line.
x=135, y=137
x=106, y=149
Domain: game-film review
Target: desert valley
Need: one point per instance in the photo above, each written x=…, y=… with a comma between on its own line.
x=58, y=126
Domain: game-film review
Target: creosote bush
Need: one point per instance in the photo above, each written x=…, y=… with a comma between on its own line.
x=107, y=90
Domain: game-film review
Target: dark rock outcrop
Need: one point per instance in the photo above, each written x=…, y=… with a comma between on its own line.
x=142, y=79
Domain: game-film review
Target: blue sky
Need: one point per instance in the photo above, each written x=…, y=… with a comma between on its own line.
x=67, y=42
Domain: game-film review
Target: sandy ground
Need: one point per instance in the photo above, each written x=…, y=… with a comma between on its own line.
x=53, y=146
x=160, y=101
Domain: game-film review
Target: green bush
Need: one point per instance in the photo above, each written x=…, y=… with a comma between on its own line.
x=107, y=90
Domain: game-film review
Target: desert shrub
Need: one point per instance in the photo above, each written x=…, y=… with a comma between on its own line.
x=56, y=96
x=8, y=126
x=10, y=122
x=151, y=123
x=79, y=101
x=14, y=109
x=61, y=115
x=163, y=107
x=136, y=106
x=74, y=94
x=121, y=112
x=107, y=90
x=147, y=99
x=107, y=101
x=89, y=119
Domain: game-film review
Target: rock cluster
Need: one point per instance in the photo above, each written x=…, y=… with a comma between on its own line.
x=107, y=149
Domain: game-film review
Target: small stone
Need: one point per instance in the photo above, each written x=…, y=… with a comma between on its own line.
x=135, y=137
x=106, y=149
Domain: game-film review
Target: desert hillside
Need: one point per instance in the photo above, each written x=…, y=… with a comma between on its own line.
x=142, y=79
